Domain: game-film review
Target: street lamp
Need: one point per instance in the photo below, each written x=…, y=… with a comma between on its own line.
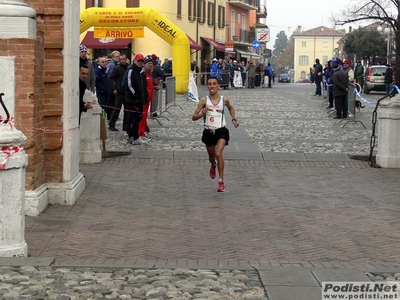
x=387, y=31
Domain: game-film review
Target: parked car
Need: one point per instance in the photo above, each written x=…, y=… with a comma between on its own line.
x=284, y=78
x=374, y=79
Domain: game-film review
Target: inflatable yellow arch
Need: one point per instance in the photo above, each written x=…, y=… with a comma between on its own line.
x=138, y=17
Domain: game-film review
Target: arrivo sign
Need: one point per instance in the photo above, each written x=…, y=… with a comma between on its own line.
x=118, y=33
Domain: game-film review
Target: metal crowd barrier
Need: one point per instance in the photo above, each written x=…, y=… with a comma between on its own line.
x=170, y=94
x=351, y=108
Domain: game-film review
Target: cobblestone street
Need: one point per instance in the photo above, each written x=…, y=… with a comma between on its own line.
x=295, y=200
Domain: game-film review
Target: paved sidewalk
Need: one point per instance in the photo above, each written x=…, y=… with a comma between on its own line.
x=298, y=210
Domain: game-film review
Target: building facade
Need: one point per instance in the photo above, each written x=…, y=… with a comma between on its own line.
x=319, y=42
x=208, y=24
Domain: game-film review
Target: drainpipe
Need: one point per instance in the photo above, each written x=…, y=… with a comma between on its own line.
x=215, y=21
x=197, y=38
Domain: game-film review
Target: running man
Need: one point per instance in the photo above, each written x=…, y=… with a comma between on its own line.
x=215, y=134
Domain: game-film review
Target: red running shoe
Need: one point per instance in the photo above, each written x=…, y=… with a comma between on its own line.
x=221, y=187
x=213, y=172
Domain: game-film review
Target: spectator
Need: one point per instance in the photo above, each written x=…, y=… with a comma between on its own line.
x=83, y=75
x=340, y=88
x=84, y=60
x=136, y=96
x=115, y=82
x=388, y=78
x=243, y=70
x=318, y=78
x=251, y=74
x=268, y=72
x=359, y=75
x=103, y=90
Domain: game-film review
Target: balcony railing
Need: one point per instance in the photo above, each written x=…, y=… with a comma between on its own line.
x=240, y=36
x=262, y=11
x=245, y=4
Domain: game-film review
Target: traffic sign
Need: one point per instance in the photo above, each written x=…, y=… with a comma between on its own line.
x=262, y=35
x=255, y=45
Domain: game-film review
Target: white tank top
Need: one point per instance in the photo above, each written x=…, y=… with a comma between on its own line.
x=215, y=117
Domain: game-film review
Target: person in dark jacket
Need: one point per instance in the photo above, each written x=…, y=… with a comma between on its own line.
x=115, y=81
x=388, y=78
x=340, y=82
x=318, y=77
x=329, y=86
x=83, y=75
x=84, y=60
x=102, y=88
x=135, y=97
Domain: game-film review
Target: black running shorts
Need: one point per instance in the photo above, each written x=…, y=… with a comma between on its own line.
x=211, y=137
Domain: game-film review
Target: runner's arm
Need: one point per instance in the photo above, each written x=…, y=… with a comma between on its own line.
x=200, y=111
x=231, y=112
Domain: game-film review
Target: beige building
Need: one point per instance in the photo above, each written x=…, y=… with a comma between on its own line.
x=319, y=42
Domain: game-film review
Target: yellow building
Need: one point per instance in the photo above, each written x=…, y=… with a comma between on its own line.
x=319, y=42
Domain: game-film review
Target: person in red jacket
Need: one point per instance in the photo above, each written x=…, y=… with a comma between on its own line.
x=148, y=66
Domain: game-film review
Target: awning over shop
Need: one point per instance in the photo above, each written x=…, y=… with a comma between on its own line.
x=215, y=44
x=104, y=43
x=194, y=45
x=247, y=53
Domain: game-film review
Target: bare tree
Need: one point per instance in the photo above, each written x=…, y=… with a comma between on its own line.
x=386, y=12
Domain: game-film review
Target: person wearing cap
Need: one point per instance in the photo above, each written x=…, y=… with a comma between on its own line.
x=84, y=60
x=340, y=82
x=148, y=66
x=136, y=95
x=349, y=71
x=329, y=86
x=359, y=75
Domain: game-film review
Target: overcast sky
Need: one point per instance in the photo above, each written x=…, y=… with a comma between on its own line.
x=287, y=14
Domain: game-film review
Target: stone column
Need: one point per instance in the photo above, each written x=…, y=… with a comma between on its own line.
x=388, y=155
x=13, y=161
x=73, y=182
x=17, y=19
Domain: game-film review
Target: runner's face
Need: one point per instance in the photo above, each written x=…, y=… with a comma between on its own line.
x=213, y=86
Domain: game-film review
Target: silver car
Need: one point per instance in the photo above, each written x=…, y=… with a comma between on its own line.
x=374, y=79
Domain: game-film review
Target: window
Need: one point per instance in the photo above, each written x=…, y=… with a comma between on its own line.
x=324, y=58
x=94, y=3
x=303, y=74
x=325, y=44
x=179, y=9
x=233, y=25
x=238, y=18
x=192, y=10
x=201, y=11
x=303, y=60
x=244, y=19
x=221, y=16
x=304, y=44
x=132, y=3
x=211, y=13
